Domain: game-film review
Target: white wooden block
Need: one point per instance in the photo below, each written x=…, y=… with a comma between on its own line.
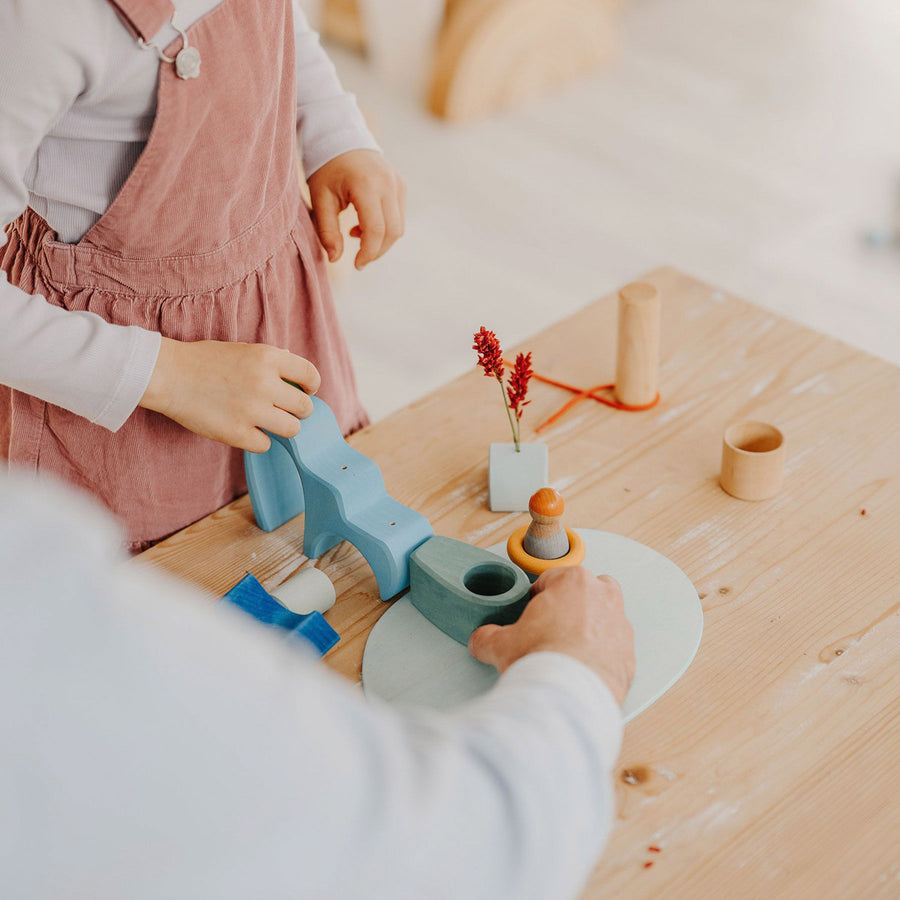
x=514, y=477
x=310, y=590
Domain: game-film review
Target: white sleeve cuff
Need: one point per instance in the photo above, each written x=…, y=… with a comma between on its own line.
x=320, y=143
x=141, y=355
x=72, y=358
x=582, y=687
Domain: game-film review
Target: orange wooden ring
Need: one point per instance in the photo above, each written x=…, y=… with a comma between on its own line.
x=533, y=565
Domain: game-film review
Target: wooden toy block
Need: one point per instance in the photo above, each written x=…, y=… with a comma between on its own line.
x=459, y=587
x=344, y=498
x=637, y=359
x=250, y=596
x=533, y=548
x=309, y=590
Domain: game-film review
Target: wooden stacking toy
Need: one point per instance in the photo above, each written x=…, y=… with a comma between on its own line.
x=545, y=543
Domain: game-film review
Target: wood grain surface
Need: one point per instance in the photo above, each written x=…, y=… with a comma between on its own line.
x=770, y=770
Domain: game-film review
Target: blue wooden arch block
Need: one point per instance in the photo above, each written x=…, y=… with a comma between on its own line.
x=344, y=497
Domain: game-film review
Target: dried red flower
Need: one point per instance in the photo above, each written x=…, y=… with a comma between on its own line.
x=490, y=356
x=517, y=388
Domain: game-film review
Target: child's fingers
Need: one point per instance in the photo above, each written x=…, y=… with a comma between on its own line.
x=326, y=207
x=401, y=197
x=372, y=228
x=254, y=440
x=301, y=371
x=292, y=401
x=279, y=422
x=393, y=223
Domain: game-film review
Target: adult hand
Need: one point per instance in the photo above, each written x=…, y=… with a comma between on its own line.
x=570, y=612
x=368, y=181
x=230, y=391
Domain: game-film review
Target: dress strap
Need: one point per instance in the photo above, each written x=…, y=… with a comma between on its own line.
x=143, y=18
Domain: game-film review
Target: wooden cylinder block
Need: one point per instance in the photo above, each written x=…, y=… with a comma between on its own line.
x=637, y=362
x=752, y=461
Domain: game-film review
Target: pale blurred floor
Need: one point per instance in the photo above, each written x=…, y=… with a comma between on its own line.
x=748, y=142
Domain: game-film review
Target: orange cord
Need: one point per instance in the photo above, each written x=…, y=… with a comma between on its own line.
x=582, y=394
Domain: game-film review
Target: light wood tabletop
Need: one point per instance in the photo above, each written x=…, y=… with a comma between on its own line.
x=770, y=770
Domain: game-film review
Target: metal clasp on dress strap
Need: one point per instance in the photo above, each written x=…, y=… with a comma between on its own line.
x=187, y=60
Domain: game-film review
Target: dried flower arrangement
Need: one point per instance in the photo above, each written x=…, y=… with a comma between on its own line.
x=490, y=358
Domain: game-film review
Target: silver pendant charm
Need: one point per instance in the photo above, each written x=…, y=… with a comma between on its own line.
x=187, y=62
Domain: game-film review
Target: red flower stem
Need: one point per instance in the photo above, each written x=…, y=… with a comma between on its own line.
x=512, y=422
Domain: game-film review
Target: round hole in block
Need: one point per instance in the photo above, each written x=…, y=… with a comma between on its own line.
x=754, y=437
x=489, y=579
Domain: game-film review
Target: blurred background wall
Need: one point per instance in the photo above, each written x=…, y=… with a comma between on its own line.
x=752, y=143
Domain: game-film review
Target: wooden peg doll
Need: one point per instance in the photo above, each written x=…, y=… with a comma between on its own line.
x=546, y=538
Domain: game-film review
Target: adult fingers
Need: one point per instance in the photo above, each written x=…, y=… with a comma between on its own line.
x=487, y=645
x=326, y=206
x=372, y=228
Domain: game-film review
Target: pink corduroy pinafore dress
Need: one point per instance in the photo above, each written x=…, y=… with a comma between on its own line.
x=207, y=239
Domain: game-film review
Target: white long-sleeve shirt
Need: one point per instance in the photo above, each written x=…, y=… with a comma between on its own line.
x=77, y=101
x=153, y=744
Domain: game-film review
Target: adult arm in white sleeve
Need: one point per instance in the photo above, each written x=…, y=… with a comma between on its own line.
x=51, y=53
x=166, y=748
x=329, y=122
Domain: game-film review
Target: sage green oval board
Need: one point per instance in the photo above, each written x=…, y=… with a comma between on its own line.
x=410, y=662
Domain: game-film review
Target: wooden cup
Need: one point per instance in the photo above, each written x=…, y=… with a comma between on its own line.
x=752, y=461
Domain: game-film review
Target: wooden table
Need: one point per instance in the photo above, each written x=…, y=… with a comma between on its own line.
x=771, y=769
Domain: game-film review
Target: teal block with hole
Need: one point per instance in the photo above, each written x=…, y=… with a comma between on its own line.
x=344, y=498
x=459, y=587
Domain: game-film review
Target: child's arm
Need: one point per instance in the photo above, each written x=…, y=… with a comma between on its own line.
x=50, y=54
x=341, y=160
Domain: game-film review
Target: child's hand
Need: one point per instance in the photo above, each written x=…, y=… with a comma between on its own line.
x=229, y=391
x=368, y=181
